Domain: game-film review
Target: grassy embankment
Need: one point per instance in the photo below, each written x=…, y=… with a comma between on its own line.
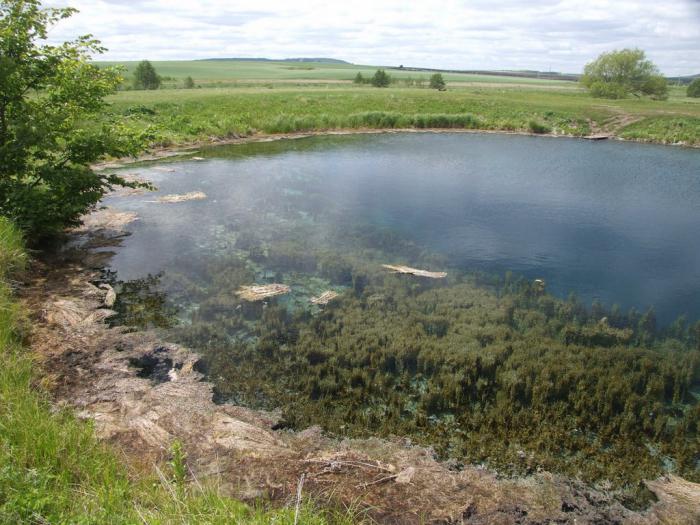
x=52, y=469
x=288, y=97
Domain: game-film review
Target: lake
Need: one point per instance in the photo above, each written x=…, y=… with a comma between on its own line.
x=610, y=221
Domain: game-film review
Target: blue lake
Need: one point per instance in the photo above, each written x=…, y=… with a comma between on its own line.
x=613, y=221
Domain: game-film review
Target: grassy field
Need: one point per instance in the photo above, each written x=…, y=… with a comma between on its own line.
x=52, y=469
x=235, y=98
x=180, y=116
x=210, y=73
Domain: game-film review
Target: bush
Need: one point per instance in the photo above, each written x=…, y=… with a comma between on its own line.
x=51, y=98
x=620, y=73
x=189, y=83
x=538, y=127
x=145, y=76
x=437, y=82
x=381, y=79
x=610, y=90
x=694, y=88
x=359, y=79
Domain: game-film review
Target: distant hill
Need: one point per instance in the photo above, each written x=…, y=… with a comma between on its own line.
x=302, y=59
x=548, y=75
x=687, y=79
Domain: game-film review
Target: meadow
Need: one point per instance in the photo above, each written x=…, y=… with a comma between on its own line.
x=246, y=98
x=232, y=72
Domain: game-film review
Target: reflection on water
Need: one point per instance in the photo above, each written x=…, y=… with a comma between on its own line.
x=609, y=221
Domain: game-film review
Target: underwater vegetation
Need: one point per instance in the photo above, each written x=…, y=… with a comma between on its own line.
x=481, y=369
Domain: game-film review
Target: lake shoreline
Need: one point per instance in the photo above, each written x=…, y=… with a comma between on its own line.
x=188, y=148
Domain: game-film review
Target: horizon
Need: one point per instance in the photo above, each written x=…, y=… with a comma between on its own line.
x=541, y=35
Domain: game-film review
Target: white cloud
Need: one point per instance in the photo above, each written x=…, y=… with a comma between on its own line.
x=561, y=35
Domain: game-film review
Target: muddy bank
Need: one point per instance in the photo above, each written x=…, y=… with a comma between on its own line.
x=143, y=393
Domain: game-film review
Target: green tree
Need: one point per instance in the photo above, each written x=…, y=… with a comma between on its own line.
x=51, y=98
x=694, y=88
x=618, y=74
x=381, y=79
x=189, y=83
x=359, y=79
x=437, y=82
x=145, y=76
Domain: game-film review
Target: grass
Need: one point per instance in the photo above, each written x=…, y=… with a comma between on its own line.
x=181, y=116
x=287, y=97
x=665, y=129
x=210, y=73
x=53, y=470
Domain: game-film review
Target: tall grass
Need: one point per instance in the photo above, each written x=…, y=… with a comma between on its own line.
x=185, y=115
x=53, y=470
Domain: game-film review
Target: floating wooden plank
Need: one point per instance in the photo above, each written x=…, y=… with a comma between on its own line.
x=414, y=271
x=258, y=292
x=598, y=136
x=324, y=298
x=191, y=196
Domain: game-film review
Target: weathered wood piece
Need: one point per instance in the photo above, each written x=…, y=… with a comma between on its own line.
x=414, y=271
x=191, y=196
x=258, y=292
x=324, y=298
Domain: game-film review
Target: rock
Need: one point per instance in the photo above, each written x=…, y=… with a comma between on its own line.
x=406, y=475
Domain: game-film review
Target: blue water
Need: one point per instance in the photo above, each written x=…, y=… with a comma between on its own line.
x=613, y=221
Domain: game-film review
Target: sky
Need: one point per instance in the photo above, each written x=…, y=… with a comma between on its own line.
x=546, y=35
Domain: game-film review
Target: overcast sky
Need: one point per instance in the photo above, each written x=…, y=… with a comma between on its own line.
x=561, y=35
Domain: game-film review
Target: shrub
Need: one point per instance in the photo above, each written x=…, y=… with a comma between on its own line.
x=50, y=99
x=145, y=76
x=381, y=79
x=437, y=82
x=538, y=127
x=359, y=79
x=694, y=88
x=619, y=73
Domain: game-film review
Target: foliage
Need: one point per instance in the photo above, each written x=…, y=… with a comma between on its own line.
x=538, y=127
x=437, y=82
x=666, y=130
x=53, y=470
x=50, y=99
x=145, y=76
x=359, y=79
x=694, y=88
x=617, y=74
x=381, y=79
x=189, y=83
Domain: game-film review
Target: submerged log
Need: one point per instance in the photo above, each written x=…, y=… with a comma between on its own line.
x=324, y=298
x=258, y=292
x=191, y=196
x=414, y=271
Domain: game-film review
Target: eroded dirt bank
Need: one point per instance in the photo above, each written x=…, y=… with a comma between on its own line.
x=143, y=393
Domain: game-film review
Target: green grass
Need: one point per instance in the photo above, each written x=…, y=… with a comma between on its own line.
x=181, y=116
x=53, y=470
x=665, y=129
x=210, y=73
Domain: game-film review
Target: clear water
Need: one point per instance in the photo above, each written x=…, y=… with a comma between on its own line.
x=617, y=222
